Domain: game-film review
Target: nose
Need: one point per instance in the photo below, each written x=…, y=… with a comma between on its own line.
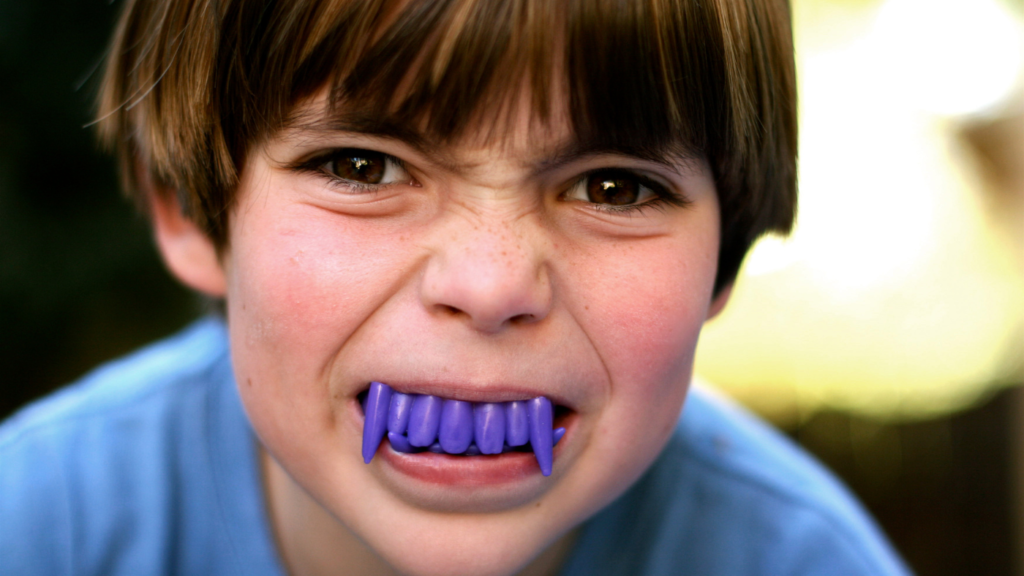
x=490, y=274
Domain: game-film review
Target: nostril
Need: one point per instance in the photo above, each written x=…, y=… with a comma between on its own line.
x=452, y=310
x=485, y=322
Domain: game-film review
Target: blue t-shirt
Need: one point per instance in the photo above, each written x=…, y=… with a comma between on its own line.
x=149, y=466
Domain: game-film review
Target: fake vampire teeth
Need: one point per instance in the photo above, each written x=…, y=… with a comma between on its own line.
x=419, y=422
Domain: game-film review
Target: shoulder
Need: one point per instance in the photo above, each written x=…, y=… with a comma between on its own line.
x=142, y=378
x=92, y=450
x=731, y=495
x=755, y=482
x=724, y=443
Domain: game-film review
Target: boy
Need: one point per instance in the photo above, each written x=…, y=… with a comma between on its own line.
x=475, y=203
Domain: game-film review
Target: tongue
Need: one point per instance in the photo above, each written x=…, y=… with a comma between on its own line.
x=414, y=423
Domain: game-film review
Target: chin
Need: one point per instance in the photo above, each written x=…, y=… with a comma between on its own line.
x=466, y=547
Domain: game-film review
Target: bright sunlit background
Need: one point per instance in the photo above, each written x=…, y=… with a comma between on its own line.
x=900, y=294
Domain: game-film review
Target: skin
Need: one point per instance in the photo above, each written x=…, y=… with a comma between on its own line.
x=480, y=273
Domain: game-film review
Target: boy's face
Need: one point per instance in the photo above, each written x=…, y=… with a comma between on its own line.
x=482, y=272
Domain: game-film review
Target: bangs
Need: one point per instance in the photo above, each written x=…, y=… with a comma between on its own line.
x=193, y=85
x=630, y=75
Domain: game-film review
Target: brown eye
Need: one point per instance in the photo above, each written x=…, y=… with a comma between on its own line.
x=613, y=188
x=362, y=166
x=622, y=191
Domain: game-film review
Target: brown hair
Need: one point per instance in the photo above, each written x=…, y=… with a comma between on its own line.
x=191, y=85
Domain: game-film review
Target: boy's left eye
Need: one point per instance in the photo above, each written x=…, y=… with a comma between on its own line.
x=616, y=189
x=365, y=167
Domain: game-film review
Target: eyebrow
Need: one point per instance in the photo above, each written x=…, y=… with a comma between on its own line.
x=670, y=157
x=353, y=122
x=676, y=157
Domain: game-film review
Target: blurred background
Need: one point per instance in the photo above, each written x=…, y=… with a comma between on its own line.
x=886, y=334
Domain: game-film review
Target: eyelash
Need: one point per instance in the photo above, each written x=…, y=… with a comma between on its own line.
x=316, y=167
x=663, y=196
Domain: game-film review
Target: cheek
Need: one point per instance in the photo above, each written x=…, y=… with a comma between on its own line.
x=649, y=315
x=642, y=307
x=644, y=310
x=300, y=284
x=307, y=280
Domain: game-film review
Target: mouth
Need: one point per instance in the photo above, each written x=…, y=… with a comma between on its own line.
x=414, y=423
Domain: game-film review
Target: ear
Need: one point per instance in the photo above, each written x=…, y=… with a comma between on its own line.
x=186, y=250
x=719, y=302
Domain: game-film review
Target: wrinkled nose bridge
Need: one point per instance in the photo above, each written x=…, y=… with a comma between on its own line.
x=489, y=269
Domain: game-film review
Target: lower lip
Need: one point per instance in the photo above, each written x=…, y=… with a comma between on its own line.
x=461, y=471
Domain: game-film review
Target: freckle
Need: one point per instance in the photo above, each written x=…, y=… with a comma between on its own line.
x=249, y=382
x=537, y=505
x=586, y=307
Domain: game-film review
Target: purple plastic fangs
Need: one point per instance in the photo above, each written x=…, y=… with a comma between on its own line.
x=421, y=422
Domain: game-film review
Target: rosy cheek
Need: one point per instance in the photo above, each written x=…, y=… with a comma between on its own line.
x=653, y=313
x=307, y=281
